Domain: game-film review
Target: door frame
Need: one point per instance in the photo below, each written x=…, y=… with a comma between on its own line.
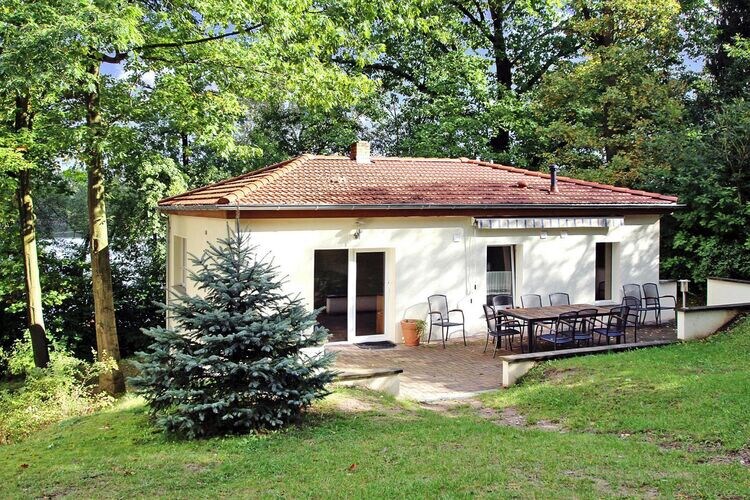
x=352, y=297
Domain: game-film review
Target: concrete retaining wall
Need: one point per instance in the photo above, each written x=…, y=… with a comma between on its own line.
x=727, y=291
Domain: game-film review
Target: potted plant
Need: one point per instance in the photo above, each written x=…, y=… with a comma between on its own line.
x=412, y=330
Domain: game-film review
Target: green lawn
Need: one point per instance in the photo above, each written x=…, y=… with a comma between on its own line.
x=696, y=394
x=670, y=421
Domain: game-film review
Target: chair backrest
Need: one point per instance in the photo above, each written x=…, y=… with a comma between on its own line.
x=651, y=293
x=567, y=322
x=632, y=290
x=531, y=300
x=490, y=317
x=632, y=304
x=586, y=318
x=438, y=303
x=559, y=299
x=502, y=301
x=617, y=318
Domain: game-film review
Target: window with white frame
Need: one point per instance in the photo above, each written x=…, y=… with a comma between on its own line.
x=179, y=259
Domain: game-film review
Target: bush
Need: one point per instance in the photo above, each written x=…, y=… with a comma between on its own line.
x=45, y=396
x=233, y=362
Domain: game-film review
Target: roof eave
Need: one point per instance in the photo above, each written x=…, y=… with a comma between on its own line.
x=665, y=207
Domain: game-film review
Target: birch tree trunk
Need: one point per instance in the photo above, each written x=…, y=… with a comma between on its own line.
x=107, y=345
x=27, y=221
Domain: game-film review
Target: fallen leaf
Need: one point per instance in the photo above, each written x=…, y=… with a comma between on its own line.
x=352, y=468
x=24, y=466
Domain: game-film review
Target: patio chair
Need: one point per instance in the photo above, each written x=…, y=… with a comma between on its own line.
x=505, y=301
x=615, y=325
x=559, y=299
x=502, y=301
x=633, y=290
x=562, y=331
x=499, y=327
x=631, y=319
x=655, y=302
x=440, y=316
x=585, y=324
x=531, y=300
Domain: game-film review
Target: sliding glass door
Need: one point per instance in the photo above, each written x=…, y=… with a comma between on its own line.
x=350, y=288
x=330, y=292
x=370, y=294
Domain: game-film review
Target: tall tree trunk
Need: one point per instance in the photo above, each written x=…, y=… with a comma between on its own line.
x=27, y=221
x=107, y=344
x=185, y=151
x=500, y=142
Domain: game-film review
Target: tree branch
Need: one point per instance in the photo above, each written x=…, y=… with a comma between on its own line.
x=395, y=71
x=118, y=57
x=474, y=20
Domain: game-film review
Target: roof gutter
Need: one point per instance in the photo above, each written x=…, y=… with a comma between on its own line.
x=559, y=206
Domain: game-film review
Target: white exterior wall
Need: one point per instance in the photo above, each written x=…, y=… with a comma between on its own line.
x=428, y=255
x=722, y=292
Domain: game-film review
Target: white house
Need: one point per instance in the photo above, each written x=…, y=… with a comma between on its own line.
x=370, y=238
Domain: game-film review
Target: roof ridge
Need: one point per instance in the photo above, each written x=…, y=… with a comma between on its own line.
x=385, y=158
x=279, y=169
x=580, y=182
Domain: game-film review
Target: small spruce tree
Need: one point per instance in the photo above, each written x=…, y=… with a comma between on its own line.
x=232, y=361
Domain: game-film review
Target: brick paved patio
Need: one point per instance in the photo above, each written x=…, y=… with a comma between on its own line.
x=433, y=373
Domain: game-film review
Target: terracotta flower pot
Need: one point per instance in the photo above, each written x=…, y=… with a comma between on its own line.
x=410, y=332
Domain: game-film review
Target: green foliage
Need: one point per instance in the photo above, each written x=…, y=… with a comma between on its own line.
x=46, y=396
x=233, y=361
x=709, y=237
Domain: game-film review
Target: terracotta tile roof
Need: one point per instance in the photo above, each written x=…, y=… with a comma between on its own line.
x=314, y=181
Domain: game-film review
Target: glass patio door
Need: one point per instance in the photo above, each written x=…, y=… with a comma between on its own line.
x=368, y=291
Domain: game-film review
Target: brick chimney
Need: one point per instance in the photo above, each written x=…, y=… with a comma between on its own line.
x=360, y=152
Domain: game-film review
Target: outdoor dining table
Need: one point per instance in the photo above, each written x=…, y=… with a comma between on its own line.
x=534, y=315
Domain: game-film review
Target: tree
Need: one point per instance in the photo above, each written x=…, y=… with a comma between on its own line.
x=233, y=361
x=206, y=52
x=467, y=65
x=600, y=117
x=710, y=174
x=732, y=74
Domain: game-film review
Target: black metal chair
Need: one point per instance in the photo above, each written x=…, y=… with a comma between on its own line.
x=562, y=331
x=531, y=300
x=585, y=324
x=654, y=302
x=559, y=299
x=631, y=319
x=633, y=290
x=502, y=301
x=500, y=326
x=615, y=325
x=440, y=316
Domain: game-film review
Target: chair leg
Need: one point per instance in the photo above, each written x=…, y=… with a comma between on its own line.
x=429, y=335
x=463, y=330
x=486, y=342
x=444, y=335
x=494, y=351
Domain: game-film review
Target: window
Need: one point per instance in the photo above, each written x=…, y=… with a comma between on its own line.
x=179, y=257
x=603, y=271
x=499, y=272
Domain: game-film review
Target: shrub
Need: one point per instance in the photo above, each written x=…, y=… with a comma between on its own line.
x=233, y=361
x=46, y=396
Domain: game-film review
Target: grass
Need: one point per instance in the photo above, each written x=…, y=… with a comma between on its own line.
x=671, y=424
x=697, y=393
